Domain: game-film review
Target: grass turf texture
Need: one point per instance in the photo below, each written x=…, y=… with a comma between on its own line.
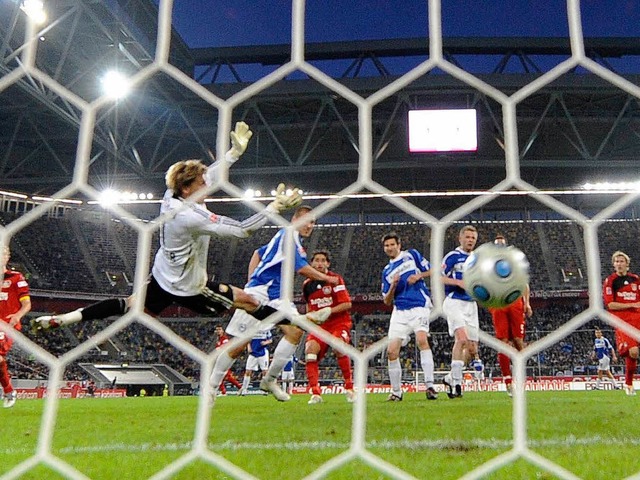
x=592, y=434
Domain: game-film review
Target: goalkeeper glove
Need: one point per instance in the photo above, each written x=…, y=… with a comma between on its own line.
x=283, y=201
x=239, y=140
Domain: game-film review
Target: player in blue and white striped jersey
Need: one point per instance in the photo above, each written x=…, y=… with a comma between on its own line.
x=604, y=352
x=460, y=309
x=257, y=358
x=403, y=287
x=265, y=275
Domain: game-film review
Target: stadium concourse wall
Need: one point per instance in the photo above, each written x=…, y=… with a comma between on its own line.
x=34, y=389
x=555, y=384
x=364, y=303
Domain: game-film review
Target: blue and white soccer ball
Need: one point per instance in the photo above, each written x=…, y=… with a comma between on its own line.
x=495, y=275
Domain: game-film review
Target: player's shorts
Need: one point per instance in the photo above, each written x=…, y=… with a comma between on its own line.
x=405, y=322
x=258, y=363
x=215, y=299
x=461, y=313
x=288, y=376
x=509, y=322
x=624, y=342
x=341, y=330
x=604, y=363
x=5, y=343
x=241, y=322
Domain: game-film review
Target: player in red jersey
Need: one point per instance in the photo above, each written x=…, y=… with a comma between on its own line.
x=15, y=303
x=229, y=377
x=509, y=324
x=621, y=292
x=319, y=295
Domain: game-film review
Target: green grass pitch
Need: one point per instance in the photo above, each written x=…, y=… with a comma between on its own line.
x=593, y=434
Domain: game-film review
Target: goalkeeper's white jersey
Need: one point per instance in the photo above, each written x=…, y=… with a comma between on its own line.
x=180, y=265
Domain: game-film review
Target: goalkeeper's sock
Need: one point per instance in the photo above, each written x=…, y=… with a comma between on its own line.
x=631, y=365
x=67, y=318
x=281, y=356
x=104, y=309
x=395, y=376
x=505, y=364
x=426, y=360
x=344, y=362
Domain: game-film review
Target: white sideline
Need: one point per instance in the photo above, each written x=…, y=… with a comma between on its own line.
x=485, y=443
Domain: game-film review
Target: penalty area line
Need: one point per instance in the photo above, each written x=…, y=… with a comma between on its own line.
x=404, y=444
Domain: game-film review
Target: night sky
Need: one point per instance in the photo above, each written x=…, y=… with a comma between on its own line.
x=250, y=22
x=244, y=22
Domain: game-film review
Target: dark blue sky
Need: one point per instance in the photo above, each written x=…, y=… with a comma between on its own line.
x=246, y=22
x=250, y=22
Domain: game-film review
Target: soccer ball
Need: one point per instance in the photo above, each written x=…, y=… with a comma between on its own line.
x=496, y=276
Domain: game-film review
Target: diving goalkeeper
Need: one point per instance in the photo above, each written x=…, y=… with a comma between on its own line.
x=179, y=273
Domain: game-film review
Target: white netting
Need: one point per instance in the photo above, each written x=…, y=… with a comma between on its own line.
x=358, y=449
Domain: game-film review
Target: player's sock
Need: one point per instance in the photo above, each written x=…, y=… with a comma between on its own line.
x=344, y=362
x=104, y=309
x=456, y=371
x=505, y=365
x=222, y=365
x=222, y=389
x=234, y=381
x=5, y=378
x=631, y=365
x=598, y=383
x=426, y=360
x=313, y=373
x=245, y=383
x=395, y=376
x=281, y=356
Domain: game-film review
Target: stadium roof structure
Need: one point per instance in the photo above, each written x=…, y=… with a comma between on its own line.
x=577, y=129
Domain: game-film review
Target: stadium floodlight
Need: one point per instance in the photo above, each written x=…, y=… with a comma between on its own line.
x=251, y=193
x=13, y=194
x=612, y=186
x=115, y=84
x=109, y=197
x=289, y=192
x=34, y=9
x=57, y=200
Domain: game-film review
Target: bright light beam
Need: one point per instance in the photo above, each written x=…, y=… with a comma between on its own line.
x=34, y=9
x=115, y=84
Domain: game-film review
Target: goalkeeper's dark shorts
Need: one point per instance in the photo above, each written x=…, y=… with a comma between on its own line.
x=215, y=299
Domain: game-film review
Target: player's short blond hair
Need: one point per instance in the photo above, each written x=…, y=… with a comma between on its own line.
x=620, y=253
x=467, y=228
x=183, y=173
x=302, y=210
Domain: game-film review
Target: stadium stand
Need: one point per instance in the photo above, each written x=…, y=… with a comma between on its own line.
x=89, y=252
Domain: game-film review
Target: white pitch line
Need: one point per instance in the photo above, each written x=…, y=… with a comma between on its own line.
x=406, y=444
